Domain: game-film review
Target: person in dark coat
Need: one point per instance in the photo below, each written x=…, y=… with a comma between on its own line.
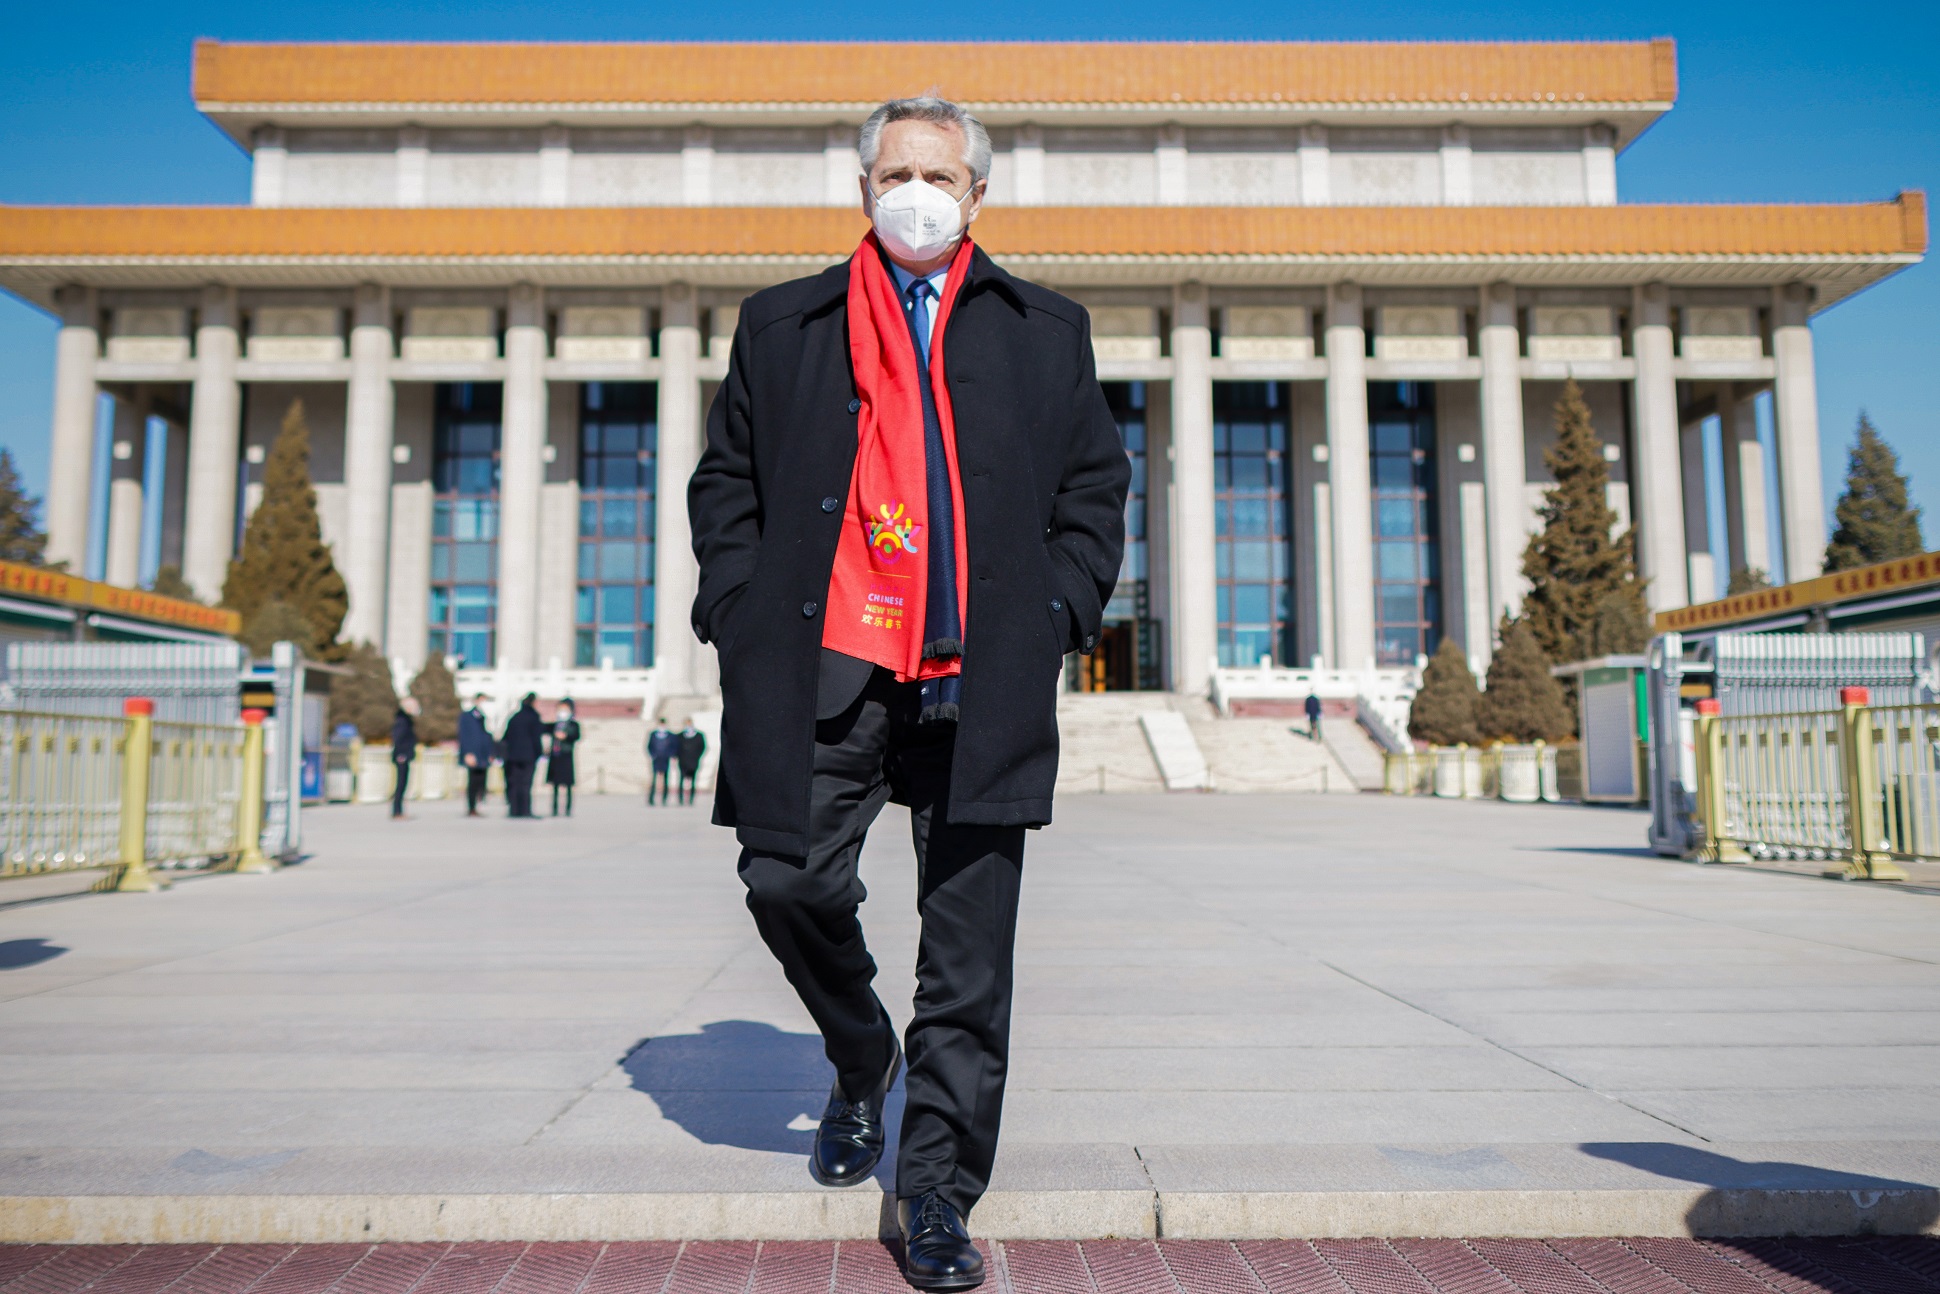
x=1313, y=717
x=814, y=737
x=560, y=773
x=663, y=744
x=404, y=749
x=692, y=746
x=475, y=752
x=524, y=744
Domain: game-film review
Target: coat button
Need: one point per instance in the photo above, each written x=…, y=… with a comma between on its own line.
x=809, y=609
x=831, y=503
x=855, y=406
x=1090, y=642
x=1057, y=604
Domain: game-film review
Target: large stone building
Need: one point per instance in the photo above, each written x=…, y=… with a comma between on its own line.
x=1335, y=289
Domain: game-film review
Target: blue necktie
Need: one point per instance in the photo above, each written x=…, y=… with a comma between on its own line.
x=916, y=303
x=942, y=627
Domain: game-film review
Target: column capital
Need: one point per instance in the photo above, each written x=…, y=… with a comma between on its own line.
x=1030, y=135
x=527, y=305
x=1313, y=135
x=218, y=306
x=1455, y=133
x=1344, y=305
x=697, y=137
x=1653, y=301
x=80, y=305
x=413, y=136
x=555, y=136
x=267, y=137
x=1172, y=135
x=1792, y=304
x=1600, y=135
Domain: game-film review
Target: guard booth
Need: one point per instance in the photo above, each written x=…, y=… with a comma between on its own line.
x=1613, y=721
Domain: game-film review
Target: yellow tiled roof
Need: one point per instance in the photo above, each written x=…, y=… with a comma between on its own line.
x=1891, y=228
x=1627, y=72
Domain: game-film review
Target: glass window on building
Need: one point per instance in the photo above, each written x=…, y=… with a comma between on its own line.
x=618, y=440
x=1252, y=483
x=1407, y=557
x=464, y=521
x=1127, y=656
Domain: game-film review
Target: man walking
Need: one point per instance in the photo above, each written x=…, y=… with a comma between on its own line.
x=404, y=749
x=524, y=743
x=475, y=749
x=910, y=507
x=693, y=744
x=662, y=745
x=1313, y=717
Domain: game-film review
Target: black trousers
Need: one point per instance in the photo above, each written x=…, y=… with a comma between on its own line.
x=518, y=788
x=958, y=1042
x=687, y=776
x=658, y=782
x=403, y=782
x=474, y=788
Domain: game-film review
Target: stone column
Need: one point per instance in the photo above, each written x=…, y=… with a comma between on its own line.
x=1795, y=406
x=1654, y=463
x=1170, y=163
x=1504, y=471
x=676, y=575
x=413, y=156
x=1600, y=166
x=369, y=420
x=1746, y=525
x=1700, y=563
x=1316, y=184
x=522, y=466
x=268, y=163
x=555, y=166
x=841, y=164
x=1458, y=183
x=1027, y=166
x=1195, y=604
x=126, y=473
x=215, y=425
x=697, y=167
x=1347, y=465
x=70, y=468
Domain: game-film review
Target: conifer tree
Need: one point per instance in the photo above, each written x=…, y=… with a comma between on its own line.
x=1748, y=579
x=1574, y=564
x=437, y=694
x=366, y=698
x=273, y=622
x=1622, y=626
x=1876, y=523
x=1521, y=701
x=1443, y=713
x=169, y=583
x=21, y=538
x=283, y=555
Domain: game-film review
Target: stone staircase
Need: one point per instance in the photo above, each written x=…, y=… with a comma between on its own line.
x=1255, y=755
x=1103, y=748
x=1356, y=752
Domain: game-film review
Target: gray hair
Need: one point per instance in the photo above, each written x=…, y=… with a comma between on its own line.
x=976, y=140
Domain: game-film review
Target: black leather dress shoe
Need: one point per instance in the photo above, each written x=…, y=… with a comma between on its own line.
x=848, y=1144
x=937, y=1253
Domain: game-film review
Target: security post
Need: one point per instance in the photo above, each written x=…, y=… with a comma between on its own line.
x=1717, y=846
x=1868, y=860
x=136, y=754
x=249, y=811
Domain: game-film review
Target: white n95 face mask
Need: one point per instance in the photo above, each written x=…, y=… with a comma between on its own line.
x=917, y=221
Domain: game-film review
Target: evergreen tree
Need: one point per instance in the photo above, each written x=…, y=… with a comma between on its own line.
x=273, y=622
x=1521, y=701
x=1876, y=523
x=1574, y=565
x=1443, y=713
x=168, y=582
x=366, y=698
x=1622, y=626
x=437, y=694
x=21, y=538
x=283, y=555
x=1748, y=579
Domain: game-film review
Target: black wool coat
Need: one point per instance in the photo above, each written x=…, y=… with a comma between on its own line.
x=1044, y=476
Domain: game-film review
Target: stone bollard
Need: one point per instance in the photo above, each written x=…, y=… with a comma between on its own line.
x=1865, y=825
x=249, y=807
x=137, y=752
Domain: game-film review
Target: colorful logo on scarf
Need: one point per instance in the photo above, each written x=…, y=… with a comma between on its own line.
x=891, y=533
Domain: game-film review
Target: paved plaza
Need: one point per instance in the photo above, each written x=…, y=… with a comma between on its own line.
x=1237, y=1017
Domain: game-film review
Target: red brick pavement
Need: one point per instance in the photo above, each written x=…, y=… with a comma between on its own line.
x=1891, y=1265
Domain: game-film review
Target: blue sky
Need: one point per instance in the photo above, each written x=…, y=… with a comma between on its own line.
x=1780, y=102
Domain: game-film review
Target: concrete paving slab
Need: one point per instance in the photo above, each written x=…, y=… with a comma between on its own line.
x=1236, y=1016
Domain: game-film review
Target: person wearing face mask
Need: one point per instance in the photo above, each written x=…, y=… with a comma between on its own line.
x=910, y=508
x=562, y=737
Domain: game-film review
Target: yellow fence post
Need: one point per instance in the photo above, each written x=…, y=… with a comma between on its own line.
x=1718, y=846
x=249, y=808
x=137, y=752
x=1868, y=860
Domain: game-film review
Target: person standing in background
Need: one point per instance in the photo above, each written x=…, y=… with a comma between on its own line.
x=404, y=749
x=560, y=771
x=662, y=745
x=475, y=750
x=524, y=742
x=1313, y=717
x=692, y=746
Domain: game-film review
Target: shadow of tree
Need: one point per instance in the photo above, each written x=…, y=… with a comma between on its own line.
x=16, y=953
x=741, y=1083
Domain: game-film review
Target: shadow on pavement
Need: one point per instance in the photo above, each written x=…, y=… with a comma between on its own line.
x=1774, y=1197
x=16, y=953
x=741, y=1083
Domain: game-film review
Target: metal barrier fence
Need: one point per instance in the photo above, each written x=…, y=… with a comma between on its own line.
x=1853, y=787
x=1518, y=774
x=72, y=799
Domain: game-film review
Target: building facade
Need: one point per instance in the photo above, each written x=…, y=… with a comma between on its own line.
x=1335, y=291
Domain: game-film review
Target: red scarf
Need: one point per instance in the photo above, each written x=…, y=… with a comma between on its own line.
x=879, y=588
